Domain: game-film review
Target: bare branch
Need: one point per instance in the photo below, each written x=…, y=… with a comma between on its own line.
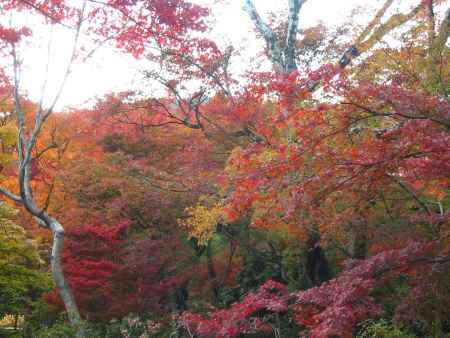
x=405, y=186
x=21, y=142
x=10, y=195
x=395, y=21
x=70, y=64
x=371, y=36
x=47, y=66
x=276, y=52
x=375, y=21
x=191, y=106
x=44, y=13
x=441, y=121
x=212, y=74
x=413, y=194
x=27, y=147
x=49, y=195
x=44, y=150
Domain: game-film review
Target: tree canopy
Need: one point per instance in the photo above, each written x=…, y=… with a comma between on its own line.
x=305, y=195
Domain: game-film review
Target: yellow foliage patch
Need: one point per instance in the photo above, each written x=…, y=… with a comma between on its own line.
x=202, y=221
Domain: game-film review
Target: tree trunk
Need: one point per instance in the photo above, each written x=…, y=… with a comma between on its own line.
x=60, y=281
x=317, y=266
x=359, y=245
x=212, y=274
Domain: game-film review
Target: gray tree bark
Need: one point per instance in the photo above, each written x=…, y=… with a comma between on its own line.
x=282, y=53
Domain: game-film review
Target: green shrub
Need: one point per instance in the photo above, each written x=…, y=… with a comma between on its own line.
x=60, y=330
x=41, y=316
x=382, y=329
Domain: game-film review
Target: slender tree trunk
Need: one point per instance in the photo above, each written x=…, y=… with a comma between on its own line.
x=317, y=267
x=26, y=144
x=359, y=245
x=58, y=274
x=60, y=280
x=211, y=269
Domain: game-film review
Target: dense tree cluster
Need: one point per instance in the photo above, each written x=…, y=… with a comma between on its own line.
x=310, y=199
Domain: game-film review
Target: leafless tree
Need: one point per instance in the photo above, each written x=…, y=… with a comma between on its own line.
x=26, y=146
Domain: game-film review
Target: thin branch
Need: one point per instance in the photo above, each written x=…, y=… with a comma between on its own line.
x=11, y=196
x=71, y=61
x=211, y=74
x=412, y=193
x=43, y=151
x=392, y=23
x=366, y=41
x=50, y=192
x=229, y=265
x=42, y=117
x=47, y=66
x=375, y=21
x=45, y=13
x=396, y=113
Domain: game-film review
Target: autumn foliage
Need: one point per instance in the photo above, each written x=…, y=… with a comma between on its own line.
x=305, y=195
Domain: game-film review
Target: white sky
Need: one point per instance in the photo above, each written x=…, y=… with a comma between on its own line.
x=109, y=71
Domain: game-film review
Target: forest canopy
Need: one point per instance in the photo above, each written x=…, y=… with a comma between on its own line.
x=299, y=190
